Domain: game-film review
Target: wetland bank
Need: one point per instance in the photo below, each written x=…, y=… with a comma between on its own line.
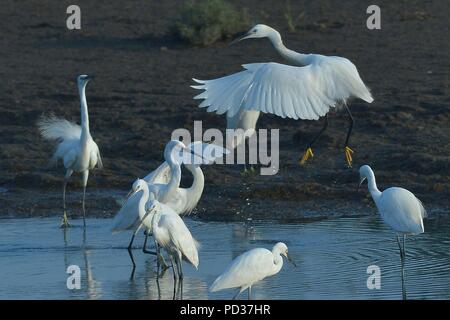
x=141, y=94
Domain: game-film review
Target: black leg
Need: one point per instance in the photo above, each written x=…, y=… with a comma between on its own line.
x=325, y=125
x=350, y=128
x=348, y=151
x=130, y=252
x=144, y=249
x=308, y=153
x=402, y=264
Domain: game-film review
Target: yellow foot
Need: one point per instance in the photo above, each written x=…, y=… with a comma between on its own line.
x=348, y=156
x=308, y=154
x=64, y=221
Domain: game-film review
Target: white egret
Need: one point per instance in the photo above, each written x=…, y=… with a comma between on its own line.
x=399, y=208
x=251, y=267
x=168, y=229
x=164, y=184
x=307, y=89
x=76, y=148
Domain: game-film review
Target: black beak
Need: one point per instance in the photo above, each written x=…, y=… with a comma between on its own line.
x=290, y=260
x=239, y=39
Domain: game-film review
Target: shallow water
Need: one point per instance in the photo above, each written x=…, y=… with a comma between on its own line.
x=332, y=257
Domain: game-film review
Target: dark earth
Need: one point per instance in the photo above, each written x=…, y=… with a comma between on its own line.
x=141, y=94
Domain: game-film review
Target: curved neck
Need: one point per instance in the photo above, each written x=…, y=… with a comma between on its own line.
x=84, y=112
x=143, y=200
x=277, y=261
x=196, y=190
x=291, y=56
x=372, y=185
x=175, y=179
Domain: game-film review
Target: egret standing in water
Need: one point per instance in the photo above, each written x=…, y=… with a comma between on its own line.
x=399, y=209
x=76, y=148
x=164, y=185
x=307, y=89
x=251, y=267
x=169, y=230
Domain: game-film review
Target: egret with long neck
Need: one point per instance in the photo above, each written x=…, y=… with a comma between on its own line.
x=76, y=148
x=307, y=89
x=399, y=208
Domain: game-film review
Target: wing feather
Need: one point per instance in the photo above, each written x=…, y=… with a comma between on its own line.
x=306, y=92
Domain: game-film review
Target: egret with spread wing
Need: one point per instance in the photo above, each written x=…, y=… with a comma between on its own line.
x=76, y=148
x=307, y=89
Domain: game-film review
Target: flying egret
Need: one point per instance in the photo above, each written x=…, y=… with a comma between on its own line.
x=164, y=184
x=307, y=89
x=399, y=209
x=76, y=148
x=251, y=267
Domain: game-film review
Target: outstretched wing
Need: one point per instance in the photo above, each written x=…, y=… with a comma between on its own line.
x=288, y=91
x=160, y=175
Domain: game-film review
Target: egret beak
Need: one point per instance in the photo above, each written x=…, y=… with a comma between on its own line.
x=194, y=153
x=361, y=180
x=129, y=194
x=132, y=192
x=149, y=210
x=290, y=260
x=245, y=36
x=88, y=78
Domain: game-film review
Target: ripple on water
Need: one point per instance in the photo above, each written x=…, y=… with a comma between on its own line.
x=332, y=258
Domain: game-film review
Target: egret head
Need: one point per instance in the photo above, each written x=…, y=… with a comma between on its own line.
x=364, y=172
x=83, y=79
x=151, y=206
x=174, y=153
x=172, y=150
x=283, y=249
x=137, y=186
x=260, y=31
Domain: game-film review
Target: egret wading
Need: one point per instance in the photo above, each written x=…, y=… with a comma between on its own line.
x=76, y=148
x=164, y=185
x=250, y=267
x=307, y=89
x=399, y=208
x=168, y=228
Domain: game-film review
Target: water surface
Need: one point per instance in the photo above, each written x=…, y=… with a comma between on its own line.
x=332, y=257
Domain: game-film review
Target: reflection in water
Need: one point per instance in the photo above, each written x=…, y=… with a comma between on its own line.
x=93, y=287
x=332, y=258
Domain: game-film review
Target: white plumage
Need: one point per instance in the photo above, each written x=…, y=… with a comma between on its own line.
x=171, y=233
x=169, y=230
x=76, y=148
x=251, y=267
x=306, y=92
x=307, y=89
x=400, y=209
x=164, y=182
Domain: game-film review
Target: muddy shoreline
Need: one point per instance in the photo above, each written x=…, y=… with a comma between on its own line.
x=141, y=94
